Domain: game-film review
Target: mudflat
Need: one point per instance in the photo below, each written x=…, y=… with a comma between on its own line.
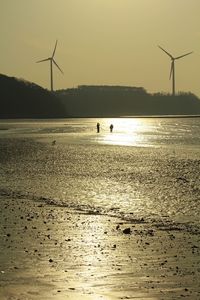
x=51, y=249
x=50, y=252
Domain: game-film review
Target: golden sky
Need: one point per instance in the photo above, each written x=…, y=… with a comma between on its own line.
x=112, y=42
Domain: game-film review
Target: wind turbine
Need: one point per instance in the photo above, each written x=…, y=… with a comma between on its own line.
x=172, y=70
x=52, y=61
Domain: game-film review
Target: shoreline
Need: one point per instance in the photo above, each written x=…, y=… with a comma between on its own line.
x=161, y=116
x=100, y=117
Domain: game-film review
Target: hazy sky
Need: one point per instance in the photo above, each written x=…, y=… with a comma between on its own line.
x=111, y=42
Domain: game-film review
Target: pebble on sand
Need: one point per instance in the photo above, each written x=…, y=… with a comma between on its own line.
x=127, y=230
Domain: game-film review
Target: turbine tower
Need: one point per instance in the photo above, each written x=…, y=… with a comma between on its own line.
x=52, y=61
x=172, y=70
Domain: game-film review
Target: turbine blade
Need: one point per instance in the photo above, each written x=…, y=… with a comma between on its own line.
x=43, y=60
x=58, y=66
x=171, y=71
x=54, y=49
x=166, y=52
x=183, y=55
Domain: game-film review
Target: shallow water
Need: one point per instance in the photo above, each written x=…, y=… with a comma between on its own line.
x=146, y=170
x=144, y=132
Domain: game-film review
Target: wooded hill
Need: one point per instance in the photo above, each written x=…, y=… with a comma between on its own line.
x=22, y=99
x=115, y=101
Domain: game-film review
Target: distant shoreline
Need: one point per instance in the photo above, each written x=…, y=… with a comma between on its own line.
x=107, y=117
x=163, y=116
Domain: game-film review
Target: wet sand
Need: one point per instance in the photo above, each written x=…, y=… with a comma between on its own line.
x=51, y=251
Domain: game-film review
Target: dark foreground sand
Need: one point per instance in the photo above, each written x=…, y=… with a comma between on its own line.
x=49, y=252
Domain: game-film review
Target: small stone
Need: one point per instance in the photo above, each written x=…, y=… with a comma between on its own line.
x=127, y=230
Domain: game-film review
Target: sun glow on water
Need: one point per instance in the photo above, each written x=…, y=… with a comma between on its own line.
x=126, y=131
x=128, y=125
x=120, y=139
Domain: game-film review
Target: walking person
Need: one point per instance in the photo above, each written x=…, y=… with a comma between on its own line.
x=98, y=127
x=111, y=128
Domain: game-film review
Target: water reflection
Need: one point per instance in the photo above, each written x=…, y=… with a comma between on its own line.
x=143, y=132
x=126, y=132
x=120, y=139
x=125, y=125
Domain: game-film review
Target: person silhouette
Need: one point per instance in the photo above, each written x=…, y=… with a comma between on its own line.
x=111, y=127
x=98, y=127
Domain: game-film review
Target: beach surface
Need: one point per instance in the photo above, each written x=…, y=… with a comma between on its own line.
x=56, y=247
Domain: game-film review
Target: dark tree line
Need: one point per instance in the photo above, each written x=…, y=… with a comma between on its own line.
x=22, y=99
x=115, y=101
